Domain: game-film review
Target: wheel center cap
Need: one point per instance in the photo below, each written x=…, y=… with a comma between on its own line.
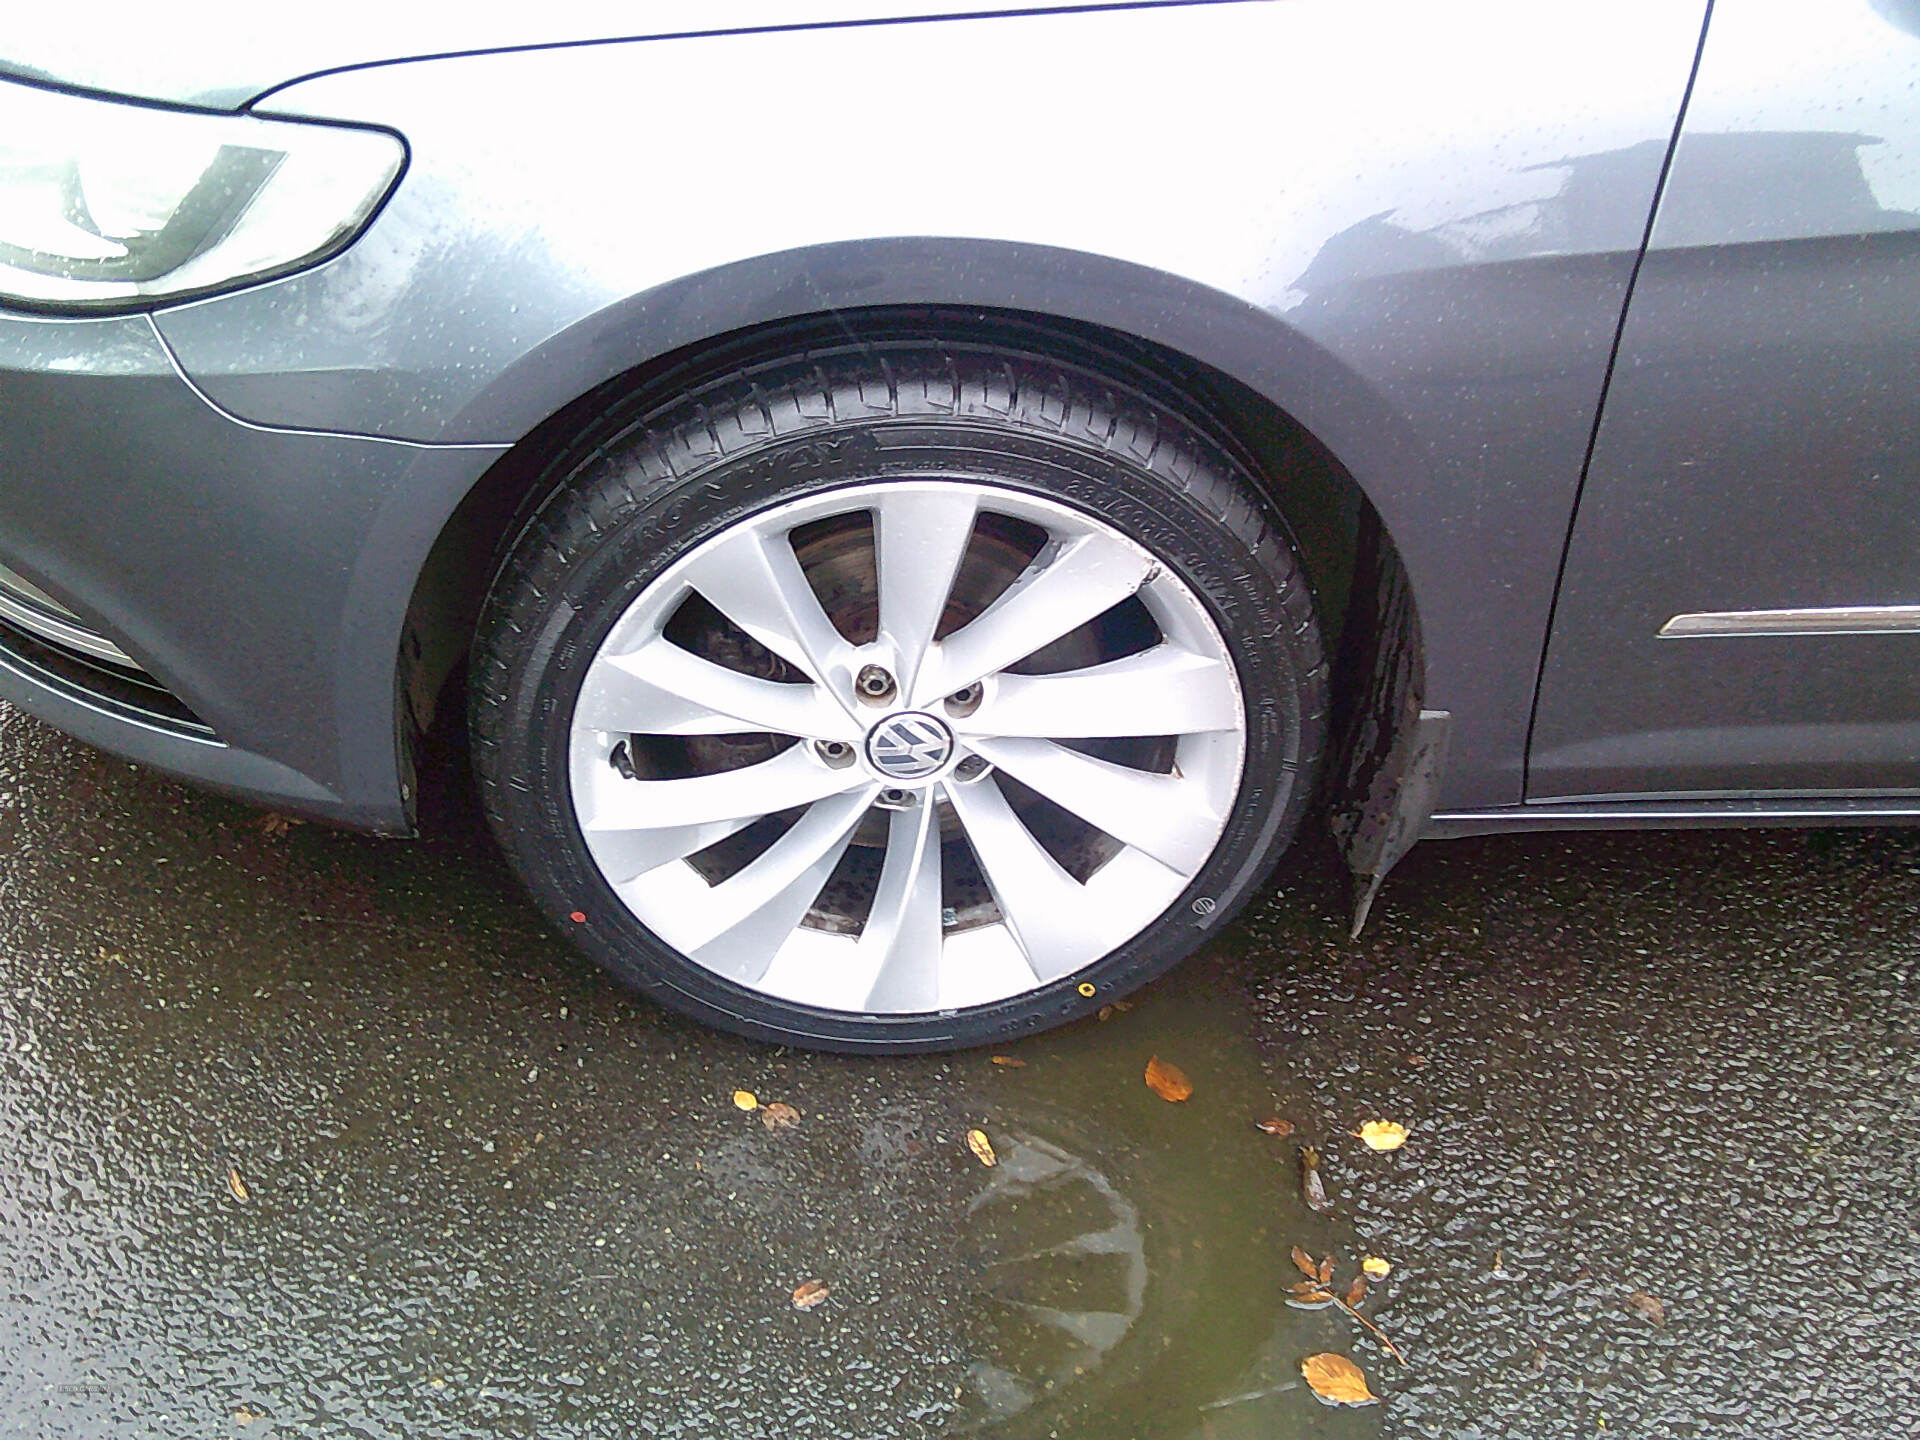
x=909, y=745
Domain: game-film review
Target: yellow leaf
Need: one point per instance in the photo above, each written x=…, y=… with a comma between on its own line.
x=982, y=1148
x=809, y=1294
x=745, y=1100
x=1337, y=1380
x=1375, y=1267
x=1169, y=1082
x=1382, y=1135
x=1012, y=1062
x=236, y=1187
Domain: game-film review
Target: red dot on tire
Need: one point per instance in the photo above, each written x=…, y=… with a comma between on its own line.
x=579, y=917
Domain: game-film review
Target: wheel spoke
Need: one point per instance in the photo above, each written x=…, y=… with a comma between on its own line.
x=750, y=914
x=628, y=854
x=1162, y=691
x=1088, y=576
x=663, y=689
x=754, y=580
x=1165, y=816
x=793, y=777
x=903, y=926
x=919, y=537
x=1044, y=906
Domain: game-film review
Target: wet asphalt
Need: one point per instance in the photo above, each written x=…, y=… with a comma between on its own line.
x=305, y=1133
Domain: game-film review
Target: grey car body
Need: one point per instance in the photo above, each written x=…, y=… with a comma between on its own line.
x=1590, y=317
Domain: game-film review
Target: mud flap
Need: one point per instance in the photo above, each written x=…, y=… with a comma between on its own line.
x=1394, y=750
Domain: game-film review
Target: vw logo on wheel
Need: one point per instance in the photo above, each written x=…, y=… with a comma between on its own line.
x=909, y=746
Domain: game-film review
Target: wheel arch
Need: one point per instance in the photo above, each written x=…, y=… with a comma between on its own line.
x=1313, y=433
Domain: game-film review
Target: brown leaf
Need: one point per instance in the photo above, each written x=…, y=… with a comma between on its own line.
x=1105, y=1014
x=1326, y=1270
x=1308, y=1296
x=1274, y=1125
x=236, y=1187
x=1357, y=1291
x=982, y=1148
x=274, y=823
x=1169, y=1082
x=1337, y=1380
x=1649, y=1306
x=1012, y=1062
x=779, y=1116
x=1311, y=1189
x=809, y=1294
x=1303, y=1262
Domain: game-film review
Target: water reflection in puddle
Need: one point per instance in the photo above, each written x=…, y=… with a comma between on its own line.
x=1133, y=1256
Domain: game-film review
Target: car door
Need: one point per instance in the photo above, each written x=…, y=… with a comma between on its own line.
x=1740, y=605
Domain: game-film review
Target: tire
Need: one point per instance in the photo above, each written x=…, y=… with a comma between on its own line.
x=630, y=646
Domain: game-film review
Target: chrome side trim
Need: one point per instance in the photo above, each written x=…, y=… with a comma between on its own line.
x=37, y=612
x=1830, y=620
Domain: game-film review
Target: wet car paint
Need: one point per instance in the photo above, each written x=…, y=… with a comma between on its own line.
x=1421, y=261
x=489, y=1194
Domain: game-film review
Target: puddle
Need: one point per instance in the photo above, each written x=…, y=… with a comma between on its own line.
x=488, y=1194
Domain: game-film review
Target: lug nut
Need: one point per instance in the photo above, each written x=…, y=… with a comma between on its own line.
x=971, y=768
x=836, y=753
x=873, y=683
x=965, y=700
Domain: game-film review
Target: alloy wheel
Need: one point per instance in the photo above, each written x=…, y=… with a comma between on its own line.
x=906, y=746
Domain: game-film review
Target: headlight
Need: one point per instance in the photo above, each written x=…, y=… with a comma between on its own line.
x=108, y=206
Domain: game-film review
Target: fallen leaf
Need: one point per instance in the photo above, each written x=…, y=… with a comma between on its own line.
x=1105, y=1014
x=1376, y=1267
x=1303, y=1262
x=1274, y=1125
x=779, y=1116
x=1649, y=1306
x=982, y=1148
x=1357, y=1291
x=745, y=1100
x=1326, y=1270
x=236, y=1187
x=1012, y=1062
x=246, y=1415
x=1382, y=1134
x=1169, y=1082
x=1337, y=1380
x=1308, y=1296
x=274, y=823
x=1311, y=1189
x=810, y=1294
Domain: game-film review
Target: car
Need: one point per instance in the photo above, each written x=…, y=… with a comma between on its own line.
x=913, y=506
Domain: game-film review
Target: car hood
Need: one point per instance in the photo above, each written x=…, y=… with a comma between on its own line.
x=225, y=53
